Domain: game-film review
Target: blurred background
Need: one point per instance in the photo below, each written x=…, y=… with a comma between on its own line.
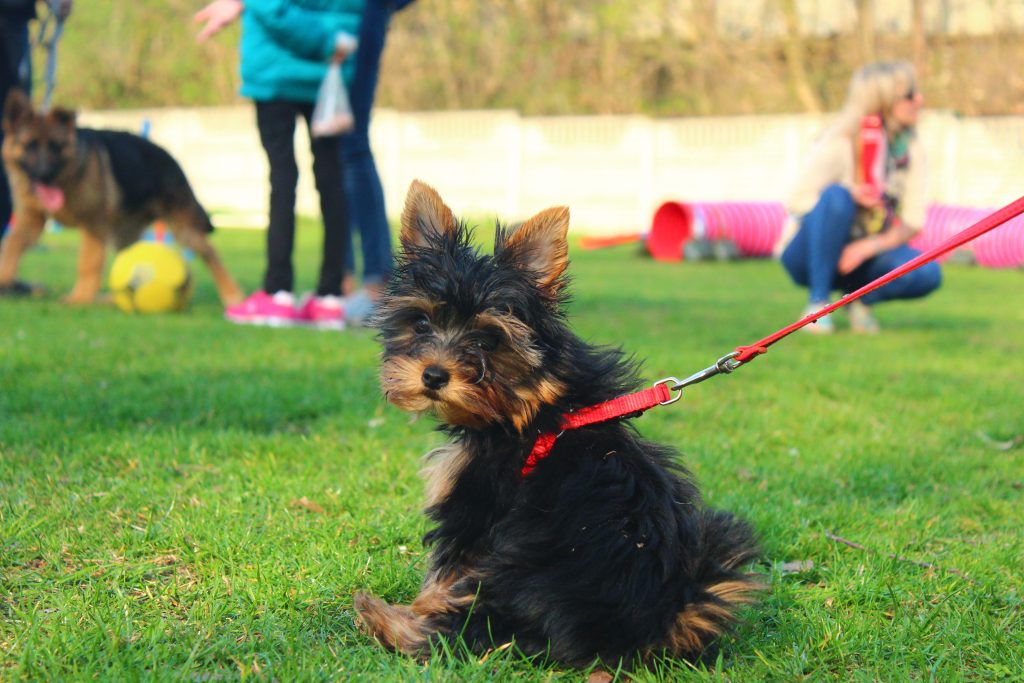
x=611, y=106
x=658, y=57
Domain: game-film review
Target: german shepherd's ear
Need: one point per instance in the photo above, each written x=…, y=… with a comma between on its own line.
x=17, y=106
x=63, y=117
x=425, y=217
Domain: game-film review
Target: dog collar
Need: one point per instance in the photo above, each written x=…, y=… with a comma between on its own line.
x=630, y=405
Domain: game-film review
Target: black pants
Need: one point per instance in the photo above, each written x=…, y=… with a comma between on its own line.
x=13, y=52
x=276, y=121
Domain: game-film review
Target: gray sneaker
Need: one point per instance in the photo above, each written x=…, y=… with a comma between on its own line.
x=824, y=324
x=359, y=307
x=861, y=320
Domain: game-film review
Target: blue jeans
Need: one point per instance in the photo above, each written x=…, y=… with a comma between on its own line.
x=362, y=183
x=811, y=258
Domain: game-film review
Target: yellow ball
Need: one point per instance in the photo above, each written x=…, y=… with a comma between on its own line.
x=150, y=277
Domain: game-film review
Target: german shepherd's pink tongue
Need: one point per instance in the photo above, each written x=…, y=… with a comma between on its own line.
x=51, y=197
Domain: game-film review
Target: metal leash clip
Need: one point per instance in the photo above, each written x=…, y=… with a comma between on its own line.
x=723, y=365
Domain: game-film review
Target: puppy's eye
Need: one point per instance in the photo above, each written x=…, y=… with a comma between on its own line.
x=421, y=326
x=485, y=342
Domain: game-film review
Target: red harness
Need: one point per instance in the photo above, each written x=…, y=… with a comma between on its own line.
x=629, y=405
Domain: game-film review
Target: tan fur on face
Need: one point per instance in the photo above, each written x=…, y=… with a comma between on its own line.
x=442, y=467
x=531, y=398
x=516, y=333
x=401, y=379
x=464, y=404
x=527, y=359
x=460, y=402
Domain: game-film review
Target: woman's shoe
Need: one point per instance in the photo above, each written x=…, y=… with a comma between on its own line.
x=360, y=307
x=824, y=324
x=861, y=319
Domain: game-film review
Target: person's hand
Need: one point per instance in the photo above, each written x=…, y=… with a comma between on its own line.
x=216, y=16
x=857, y=252
x=866, y=195
x=344, y=45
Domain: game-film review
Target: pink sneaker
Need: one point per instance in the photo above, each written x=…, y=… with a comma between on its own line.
x=323, y=312
x=262, y=309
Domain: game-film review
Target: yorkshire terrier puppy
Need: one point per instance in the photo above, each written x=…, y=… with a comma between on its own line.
x=604, y=549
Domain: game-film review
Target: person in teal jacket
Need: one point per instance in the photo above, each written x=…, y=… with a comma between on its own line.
x=286, y=48
x=287, y=45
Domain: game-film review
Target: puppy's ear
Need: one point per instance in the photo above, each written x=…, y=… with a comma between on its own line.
x=17, y=106
x=64, y=118
x=425, y=216
x=539, y=246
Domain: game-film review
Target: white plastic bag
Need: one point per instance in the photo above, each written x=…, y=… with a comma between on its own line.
x=333, y=113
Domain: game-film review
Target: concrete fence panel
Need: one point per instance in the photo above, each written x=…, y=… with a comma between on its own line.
x=612, y=171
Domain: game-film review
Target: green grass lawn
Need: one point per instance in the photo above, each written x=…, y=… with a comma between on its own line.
x=181, y=498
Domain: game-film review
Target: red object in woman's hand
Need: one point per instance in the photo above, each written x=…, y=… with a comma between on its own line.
x=872, y=148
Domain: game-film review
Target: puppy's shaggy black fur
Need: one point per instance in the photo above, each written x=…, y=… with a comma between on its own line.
x=605, y=550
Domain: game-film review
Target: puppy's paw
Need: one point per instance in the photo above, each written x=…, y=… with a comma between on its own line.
x=19, y=288
x=393, y=626
x=372, y=614
x=366, y=607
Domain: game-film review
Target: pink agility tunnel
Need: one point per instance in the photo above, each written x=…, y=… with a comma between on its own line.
x=755, y=226
x=752, y=226
x=1003, y=247
x=671, y=228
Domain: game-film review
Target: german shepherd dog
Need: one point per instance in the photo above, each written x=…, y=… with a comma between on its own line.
x=110, y=184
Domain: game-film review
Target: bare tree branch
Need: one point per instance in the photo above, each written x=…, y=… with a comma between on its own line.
x=925, y=565
x=795, y=61
x=866, y=25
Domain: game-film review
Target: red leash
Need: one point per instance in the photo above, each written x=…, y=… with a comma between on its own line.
x=632, y=405
x=745, y=354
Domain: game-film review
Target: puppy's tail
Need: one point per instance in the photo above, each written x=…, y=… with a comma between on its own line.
x=721, y=586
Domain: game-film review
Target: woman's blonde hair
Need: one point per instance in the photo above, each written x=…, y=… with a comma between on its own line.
x=874, y=89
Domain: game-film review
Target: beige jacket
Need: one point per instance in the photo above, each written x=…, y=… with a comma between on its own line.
x=830, y=161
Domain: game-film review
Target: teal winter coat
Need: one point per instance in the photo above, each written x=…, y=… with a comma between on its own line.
x=287, y=45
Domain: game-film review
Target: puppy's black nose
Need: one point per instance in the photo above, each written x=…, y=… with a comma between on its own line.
x=435, y=377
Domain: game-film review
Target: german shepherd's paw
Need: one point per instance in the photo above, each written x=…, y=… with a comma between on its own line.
x=22, y=289
x=74, y=299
